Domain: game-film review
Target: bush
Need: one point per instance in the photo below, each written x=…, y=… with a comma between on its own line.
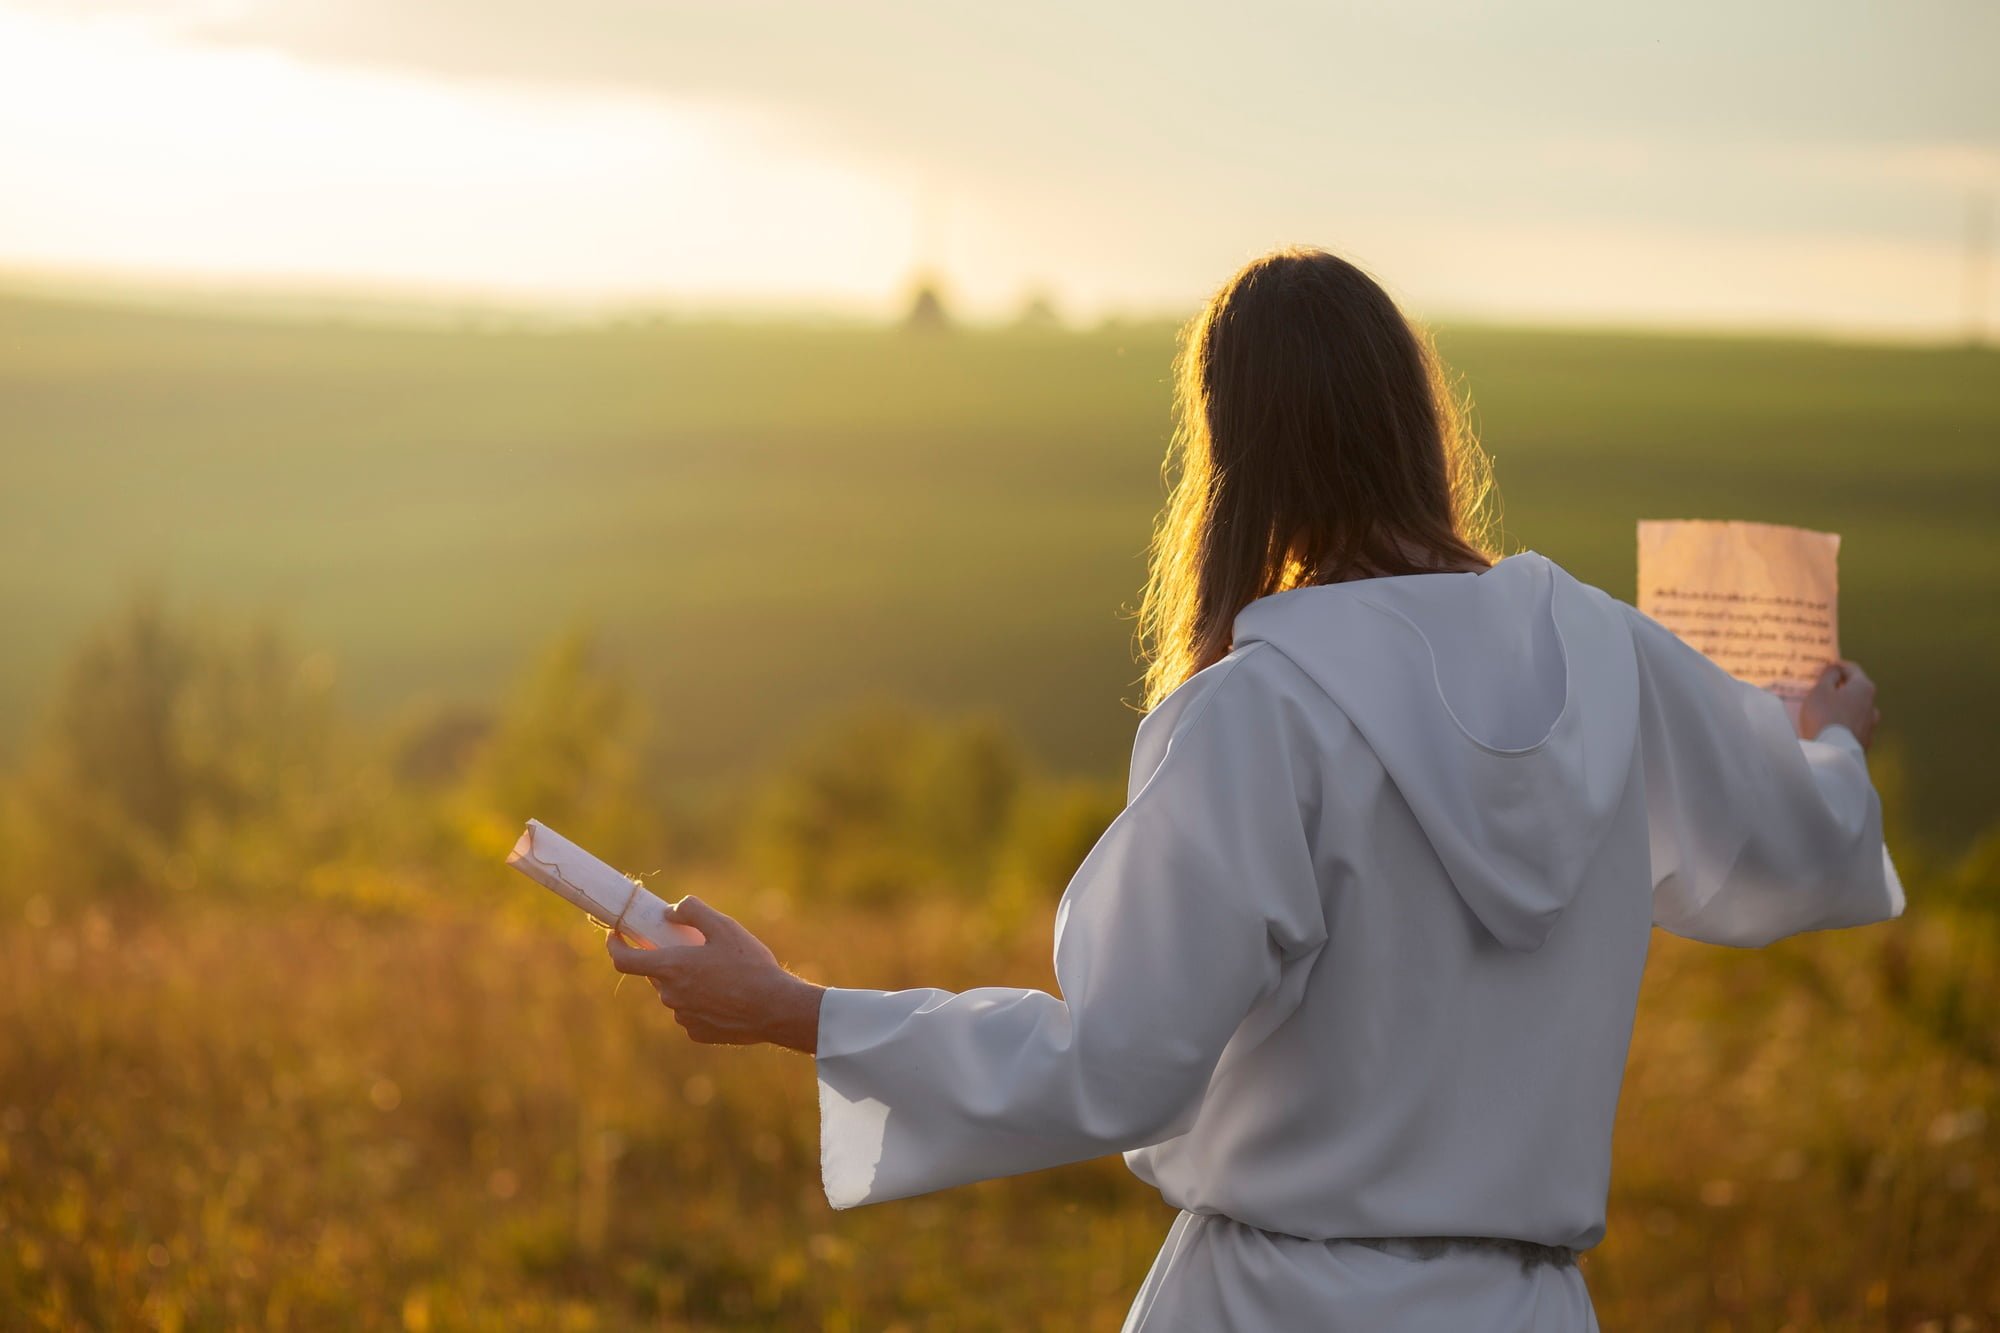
x=178, y=753
x=185, y=755
x=882, y=803
x=1054, y=826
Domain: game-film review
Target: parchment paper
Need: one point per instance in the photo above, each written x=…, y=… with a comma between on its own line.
x=1760, y=599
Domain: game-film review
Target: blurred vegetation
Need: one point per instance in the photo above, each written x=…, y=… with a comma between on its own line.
x=283, y=1046
x=773, y=523
x=179, y=755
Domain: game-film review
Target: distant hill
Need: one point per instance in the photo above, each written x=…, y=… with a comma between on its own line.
x=766, y=520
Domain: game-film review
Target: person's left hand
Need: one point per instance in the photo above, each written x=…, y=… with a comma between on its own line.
x=729, y=990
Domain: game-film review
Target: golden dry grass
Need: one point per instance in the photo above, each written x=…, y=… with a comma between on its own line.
x=308, y=1117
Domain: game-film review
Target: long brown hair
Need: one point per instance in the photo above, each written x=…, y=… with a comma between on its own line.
x=1317, y=439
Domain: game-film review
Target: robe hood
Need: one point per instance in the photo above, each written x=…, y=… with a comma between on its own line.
x=1503, y=705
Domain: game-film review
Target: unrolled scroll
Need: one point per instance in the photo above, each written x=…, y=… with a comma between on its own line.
x=1760, y=599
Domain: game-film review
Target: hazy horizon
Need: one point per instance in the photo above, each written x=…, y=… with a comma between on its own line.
x=307, y=300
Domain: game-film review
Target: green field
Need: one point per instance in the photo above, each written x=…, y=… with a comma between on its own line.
x=767, y=522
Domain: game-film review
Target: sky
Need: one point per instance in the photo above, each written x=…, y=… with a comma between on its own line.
x=1787, y=163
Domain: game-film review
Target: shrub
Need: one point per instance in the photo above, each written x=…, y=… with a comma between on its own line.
x=178, y=752
x=883, y=802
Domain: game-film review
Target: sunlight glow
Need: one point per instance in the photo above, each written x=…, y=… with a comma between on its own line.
x=145, y=152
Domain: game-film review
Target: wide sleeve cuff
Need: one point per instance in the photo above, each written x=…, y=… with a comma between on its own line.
x=851, y=1128
x=1895, y=885
x=1840, y=738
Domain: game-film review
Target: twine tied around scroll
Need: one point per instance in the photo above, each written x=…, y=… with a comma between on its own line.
x=615, y=926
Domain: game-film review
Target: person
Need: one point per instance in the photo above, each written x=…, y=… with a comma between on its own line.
x=1351, y=978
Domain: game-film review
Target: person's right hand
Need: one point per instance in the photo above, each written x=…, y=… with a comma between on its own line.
x=1843, y=694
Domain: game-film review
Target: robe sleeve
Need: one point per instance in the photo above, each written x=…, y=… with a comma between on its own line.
x=1176, y=924
x=1756, y=833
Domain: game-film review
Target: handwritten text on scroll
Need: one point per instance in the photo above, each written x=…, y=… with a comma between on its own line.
x=1760, y=599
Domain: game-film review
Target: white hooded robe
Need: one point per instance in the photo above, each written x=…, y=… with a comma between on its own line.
x=1360, y=956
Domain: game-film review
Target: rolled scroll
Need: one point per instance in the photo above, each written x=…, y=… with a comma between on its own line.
x=616, y=900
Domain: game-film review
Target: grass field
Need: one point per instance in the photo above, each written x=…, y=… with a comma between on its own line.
x=326, y=1120
x=765, y=522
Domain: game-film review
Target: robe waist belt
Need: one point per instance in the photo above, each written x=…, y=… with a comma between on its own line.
x=1531, y=1255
